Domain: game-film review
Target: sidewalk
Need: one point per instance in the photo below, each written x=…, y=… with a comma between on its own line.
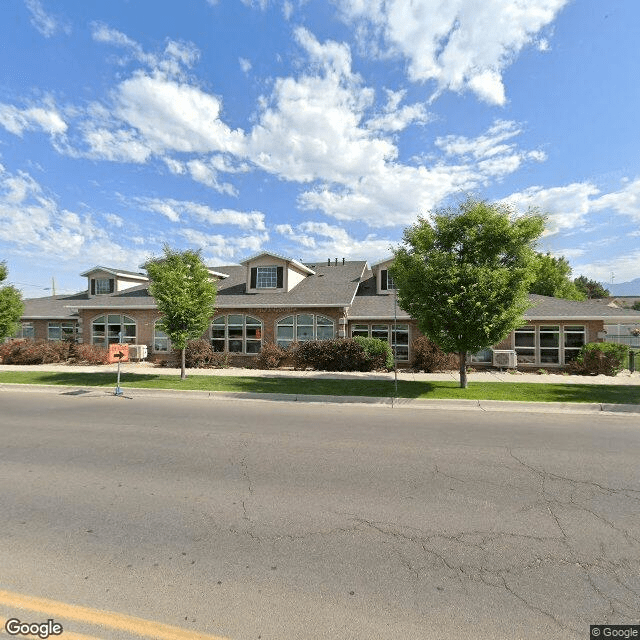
x=623, y=378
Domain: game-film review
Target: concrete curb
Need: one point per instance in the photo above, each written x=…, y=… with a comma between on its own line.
x=397, y=403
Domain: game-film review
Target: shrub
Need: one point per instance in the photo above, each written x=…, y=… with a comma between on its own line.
x=340, y=354
x=199, y=354
x=429, y=357
x=30, y=352
x=378, y=352
x=271, y=356
x=88, y=354
x=600, y=358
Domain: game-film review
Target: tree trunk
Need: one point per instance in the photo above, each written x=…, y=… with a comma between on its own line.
x=463, y=369
x=183, y=368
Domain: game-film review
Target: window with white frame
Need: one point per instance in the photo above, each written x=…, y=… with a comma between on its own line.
x=550, y=344
x=105, y=329
x=236, y=333
x=303, y=327
x=26, y=331
x=57, y=331
x=398, y=338
x=390, y=283
x=525, y=344
x=103, y=285
x=267, y=278
x=574, y=340
x=161, y=341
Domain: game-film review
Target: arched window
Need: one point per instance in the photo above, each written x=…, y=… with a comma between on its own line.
x=236, y=333
x=303, y=327
x=105, y=329
x=161, y=341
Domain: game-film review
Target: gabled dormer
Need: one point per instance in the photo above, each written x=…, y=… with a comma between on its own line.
x=103, y=280
x=271, y=273
x=384, y=280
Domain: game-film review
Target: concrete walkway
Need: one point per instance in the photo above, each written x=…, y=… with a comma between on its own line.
x=623, y=378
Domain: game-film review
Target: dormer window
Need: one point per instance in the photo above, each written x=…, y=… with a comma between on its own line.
x=270, y=277
x=387, y=283
x=267, y=278
x=100, y=286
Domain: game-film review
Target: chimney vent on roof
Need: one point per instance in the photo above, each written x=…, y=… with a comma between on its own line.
x=343, y=262
x=336, y=264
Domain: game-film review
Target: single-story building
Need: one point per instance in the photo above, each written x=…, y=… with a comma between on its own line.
x=273, y=298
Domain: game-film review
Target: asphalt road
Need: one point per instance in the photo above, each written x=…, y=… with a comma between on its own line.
x=273, y=520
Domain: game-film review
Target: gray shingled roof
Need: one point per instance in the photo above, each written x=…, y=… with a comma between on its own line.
x=347, y=285
x=54, y=307
x=331, y=286
x=545, y=308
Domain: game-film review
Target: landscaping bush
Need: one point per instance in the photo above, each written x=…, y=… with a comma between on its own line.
x=600, y=358
x=271, y=356
x=379, y=352
x=199, y=354
x=88, y=354
x=340, y=354
x=429, y=357
x=30, y=352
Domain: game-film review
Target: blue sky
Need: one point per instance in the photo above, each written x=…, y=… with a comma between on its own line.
x=310, y=128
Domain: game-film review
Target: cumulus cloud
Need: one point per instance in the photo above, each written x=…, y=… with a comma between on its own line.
x=177, y=210
x=45, y=118
x=33, y=223
x=624, y=268
x=220, y=248
x=458, y=44
x=625, y=201
x=321, y=240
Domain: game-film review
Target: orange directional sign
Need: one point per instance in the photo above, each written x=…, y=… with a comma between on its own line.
x=118, y=353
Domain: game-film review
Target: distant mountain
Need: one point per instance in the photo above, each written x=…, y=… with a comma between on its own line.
x=624, y=288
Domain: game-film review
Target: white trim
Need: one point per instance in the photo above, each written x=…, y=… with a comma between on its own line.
x=279, y=257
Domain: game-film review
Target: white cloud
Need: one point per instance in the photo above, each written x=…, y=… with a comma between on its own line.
x=220, y=248
x=46, y=118
x=625, y=201
x=459, y=44
x=395, y=118
x=174, y=116
x=567, y=207
x=321, y=240
x=624, y=268
x=114, y=220
x=176, y=210
x=45, y=23
x=245, y=65
x=33, y=224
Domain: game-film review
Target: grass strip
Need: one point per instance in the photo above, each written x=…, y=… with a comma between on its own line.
x=513, y=391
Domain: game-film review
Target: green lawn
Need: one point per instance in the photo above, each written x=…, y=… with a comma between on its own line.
x=520, y=391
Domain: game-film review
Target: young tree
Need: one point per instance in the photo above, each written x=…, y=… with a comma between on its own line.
x=185, y=296
x=465, y=276
x=552, y=278
x=591, y=288
x=11, y=306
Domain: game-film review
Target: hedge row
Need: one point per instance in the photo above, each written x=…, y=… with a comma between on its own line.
x=43, y=352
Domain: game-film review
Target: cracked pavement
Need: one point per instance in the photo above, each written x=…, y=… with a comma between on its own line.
x=264, y=521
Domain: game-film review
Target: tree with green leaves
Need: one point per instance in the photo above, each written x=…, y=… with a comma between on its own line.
x=553, y=278
x=185, y=296
x=11, y=306
x=591, y=288
x=464, y=275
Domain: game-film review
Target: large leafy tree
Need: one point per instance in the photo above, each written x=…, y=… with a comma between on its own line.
x=185, y=295
x=552, y=277
x=464, y=275
x=11, y=306
x=591, y=288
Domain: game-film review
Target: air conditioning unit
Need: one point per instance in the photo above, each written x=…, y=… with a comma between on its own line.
x=137, y=351
x=505, y=359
